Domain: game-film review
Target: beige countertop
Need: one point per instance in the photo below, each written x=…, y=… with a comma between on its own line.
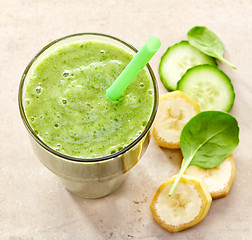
x=33, y=202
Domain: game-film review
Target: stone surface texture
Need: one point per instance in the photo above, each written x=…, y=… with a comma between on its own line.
x=33, y=202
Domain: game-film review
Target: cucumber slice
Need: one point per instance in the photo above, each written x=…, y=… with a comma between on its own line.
x=209, y=87
x=177, y=59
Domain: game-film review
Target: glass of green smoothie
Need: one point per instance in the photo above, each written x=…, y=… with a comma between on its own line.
x=87, y=140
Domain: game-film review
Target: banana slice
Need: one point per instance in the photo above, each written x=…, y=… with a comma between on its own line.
x=174, y=111
x=219, y=179
x=187, y=206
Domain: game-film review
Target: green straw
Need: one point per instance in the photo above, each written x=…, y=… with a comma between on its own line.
x=114, y=92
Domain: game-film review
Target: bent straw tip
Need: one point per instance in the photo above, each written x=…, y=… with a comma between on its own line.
x=153, y=43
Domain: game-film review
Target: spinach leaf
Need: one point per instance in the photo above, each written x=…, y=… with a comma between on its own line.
x=207, y=140
x=207, y=42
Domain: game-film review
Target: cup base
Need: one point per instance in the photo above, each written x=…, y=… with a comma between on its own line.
x=91, y=189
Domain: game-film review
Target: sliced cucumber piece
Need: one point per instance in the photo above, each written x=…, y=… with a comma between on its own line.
x=177, y=59
x=209, y=87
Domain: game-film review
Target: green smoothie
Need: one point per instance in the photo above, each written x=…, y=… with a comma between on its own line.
x=66, y=105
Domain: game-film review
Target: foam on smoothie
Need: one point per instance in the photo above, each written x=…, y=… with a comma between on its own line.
x=66, y=104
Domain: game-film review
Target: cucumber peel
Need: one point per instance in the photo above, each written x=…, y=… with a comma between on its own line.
x=177, y=60
x=210, y=87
